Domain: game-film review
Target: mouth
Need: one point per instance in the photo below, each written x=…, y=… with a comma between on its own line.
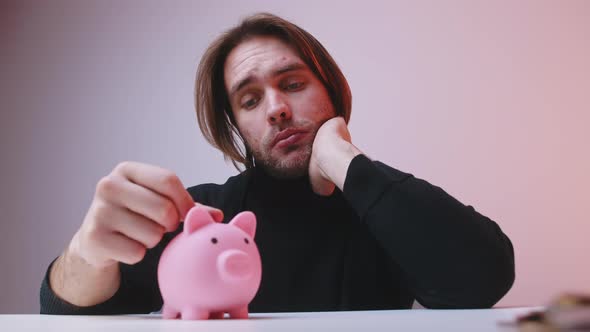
x=288, y=137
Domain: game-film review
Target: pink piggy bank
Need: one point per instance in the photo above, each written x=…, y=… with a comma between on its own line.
x=210, y=268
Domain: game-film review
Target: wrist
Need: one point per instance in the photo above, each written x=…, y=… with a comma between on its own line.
x=76, y=255
x=334, y=165
x=75, y=281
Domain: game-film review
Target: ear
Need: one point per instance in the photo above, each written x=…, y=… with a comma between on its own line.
x=196, y=218
x=245, y=221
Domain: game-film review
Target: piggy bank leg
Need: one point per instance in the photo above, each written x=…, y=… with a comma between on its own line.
x=169, y=312
x=194, y=314
x=216, y=315
x=240, y=313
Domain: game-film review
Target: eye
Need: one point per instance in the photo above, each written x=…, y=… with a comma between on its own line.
x=246, y=240
x=214, y=240
x=250, y=103
x=293, y=86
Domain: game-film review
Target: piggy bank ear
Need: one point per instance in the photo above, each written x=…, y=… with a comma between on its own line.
x=245, y=221
x=196, y=218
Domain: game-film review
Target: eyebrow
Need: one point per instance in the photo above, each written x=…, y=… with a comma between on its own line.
x=295, y=66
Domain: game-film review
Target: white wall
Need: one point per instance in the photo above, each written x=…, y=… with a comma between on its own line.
x=489, y=100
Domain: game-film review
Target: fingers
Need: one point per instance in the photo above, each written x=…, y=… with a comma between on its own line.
x=159, y=180
x=120, y=248
x=217, y=214
x=117, y=234
x=141, y=200
x=132, y=209
x=137, y=228
x=119, y=191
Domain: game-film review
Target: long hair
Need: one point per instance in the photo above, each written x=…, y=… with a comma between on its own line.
x=212, y=105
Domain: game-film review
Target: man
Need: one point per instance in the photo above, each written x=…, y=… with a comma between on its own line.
x=336, y=231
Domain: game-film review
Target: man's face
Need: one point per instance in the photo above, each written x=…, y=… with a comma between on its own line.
x=277, y=102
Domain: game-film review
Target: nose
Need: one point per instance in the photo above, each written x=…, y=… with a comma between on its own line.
x=234, y=265
x=278, y=108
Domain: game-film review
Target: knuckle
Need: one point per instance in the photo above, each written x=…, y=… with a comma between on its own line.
x=100, y=214
x=96, y=227
x=107, y=185
x=136, y=255
x=122, y=167
x=94, y=236
x=168, y=214
x=170, y=179
x=155, y=238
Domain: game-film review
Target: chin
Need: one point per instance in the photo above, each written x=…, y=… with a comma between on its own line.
x=293, y=166
x=288, y=172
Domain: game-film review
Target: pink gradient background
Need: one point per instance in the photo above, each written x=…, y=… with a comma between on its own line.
x=487, y=99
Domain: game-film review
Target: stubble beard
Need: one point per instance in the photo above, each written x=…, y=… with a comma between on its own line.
x=285, y=168
x=292, y=163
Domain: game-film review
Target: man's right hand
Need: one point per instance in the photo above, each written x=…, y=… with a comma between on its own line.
x=132, y=208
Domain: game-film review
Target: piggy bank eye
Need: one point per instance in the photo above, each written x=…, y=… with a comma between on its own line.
x=246, y=240
x=214, y=240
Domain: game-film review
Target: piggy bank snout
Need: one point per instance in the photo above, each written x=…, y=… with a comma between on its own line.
x=234, y=265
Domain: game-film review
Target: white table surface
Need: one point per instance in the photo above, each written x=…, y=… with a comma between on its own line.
x=390, y=320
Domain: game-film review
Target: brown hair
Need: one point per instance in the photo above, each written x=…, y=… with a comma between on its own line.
x=212, y=105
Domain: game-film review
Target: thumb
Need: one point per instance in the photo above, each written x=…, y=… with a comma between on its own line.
x=216, y=213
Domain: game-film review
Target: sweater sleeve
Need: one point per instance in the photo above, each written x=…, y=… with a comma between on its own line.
x=452, y=256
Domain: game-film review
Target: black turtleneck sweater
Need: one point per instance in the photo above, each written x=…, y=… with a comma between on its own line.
x=386, y=239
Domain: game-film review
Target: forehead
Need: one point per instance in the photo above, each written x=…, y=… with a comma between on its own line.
x=257, y=56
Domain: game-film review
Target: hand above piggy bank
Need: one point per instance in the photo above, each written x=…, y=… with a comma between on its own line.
x=210, y=268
